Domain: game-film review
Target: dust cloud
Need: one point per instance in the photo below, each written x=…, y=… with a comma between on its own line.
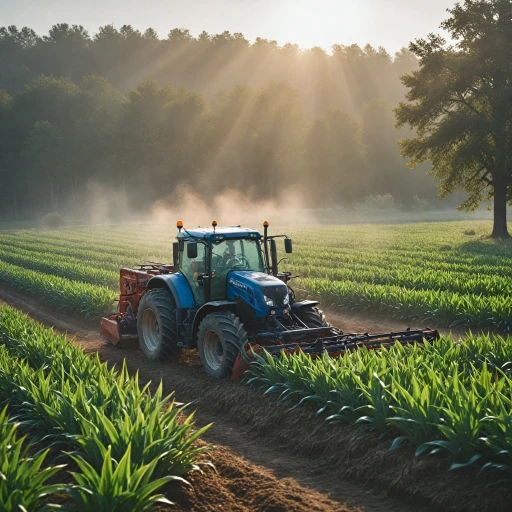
x=229, y=208
x=110, y=205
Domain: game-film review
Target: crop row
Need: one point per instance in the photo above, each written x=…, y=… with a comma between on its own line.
x=126, y=441
x=62, y=266
x=88, y=254
x=384, y=259
x=84, y=299
x=406, y=304
x=447, y=397
x=411, y=278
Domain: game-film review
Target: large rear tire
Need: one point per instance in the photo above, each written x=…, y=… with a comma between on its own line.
x=312, y=317
x=219, y=340
x=156, y=325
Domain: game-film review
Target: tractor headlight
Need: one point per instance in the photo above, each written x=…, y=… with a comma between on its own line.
x=269, y=302
x=286, y=300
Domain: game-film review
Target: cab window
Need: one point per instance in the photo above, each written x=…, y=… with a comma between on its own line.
x=192, y=268
x=227, y=255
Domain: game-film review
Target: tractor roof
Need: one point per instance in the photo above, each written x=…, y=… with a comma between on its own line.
x=219, y=233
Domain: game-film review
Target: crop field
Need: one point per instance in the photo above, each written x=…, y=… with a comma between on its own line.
x=447, y=398
x=60, y=399
x=450, y=399
x=440, y=273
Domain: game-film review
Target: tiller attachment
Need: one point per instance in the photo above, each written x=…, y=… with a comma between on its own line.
x=335, y=344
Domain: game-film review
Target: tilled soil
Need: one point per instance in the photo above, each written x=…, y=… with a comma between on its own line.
x=270, y=458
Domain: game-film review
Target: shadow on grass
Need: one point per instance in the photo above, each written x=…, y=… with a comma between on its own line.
x=486, y=246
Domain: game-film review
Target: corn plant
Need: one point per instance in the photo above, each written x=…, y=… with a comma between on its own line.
x=22, y=477
x=62, y=396
x=441, y=398
x=116, y=488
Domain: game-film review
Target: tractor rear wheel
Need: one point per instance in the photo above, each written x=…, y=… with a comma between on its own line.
x=156, y=325
x=312, y=317
x=219, y=340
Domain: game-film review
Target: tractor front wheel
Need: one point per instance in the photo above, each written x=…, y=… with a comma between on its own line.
x=312, y=317
x=156, y=325
x=219, y=340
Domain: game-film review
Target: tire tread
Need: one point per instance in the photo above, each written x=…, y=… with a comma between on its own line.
x=233, y=333
x=164, y=304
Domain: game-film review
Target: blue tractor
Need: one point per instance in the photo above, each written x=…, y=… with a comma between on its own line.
x=224, y=295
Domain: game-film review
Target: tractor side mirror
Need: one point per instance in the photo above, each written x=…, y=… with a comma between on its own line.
x=288, y=246
x=192, y=250
x=175, y=253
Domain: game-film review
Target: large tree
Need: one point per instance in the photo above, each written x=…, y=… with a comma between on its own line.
x=460, y=103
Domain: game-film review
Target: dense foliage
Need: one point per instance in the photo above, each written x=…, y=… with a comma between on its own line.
x=126, y=441
x=206, y=63
x=425, y=273
x=111, y=125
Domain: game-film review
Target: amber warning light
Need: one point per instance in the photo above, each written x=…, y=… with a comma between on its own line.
x=179, y=225
x=265, y=224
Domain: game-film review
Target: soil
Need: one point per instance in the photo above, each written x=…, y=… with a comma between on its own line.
x=271, y=458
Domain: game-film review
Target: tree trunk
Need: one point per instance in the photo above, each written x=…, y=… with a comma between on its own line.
x=500, y=209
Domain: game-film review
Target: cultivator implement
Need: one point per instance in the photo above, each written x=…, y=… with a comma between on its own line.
x=335, y=343
x=339, y=343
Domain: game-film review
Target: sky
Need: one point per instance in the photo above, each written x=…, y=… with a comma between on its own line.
x=388, y=23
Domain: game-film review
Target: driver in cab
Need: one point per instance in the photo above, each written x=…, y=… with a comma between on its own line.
x=229, y=254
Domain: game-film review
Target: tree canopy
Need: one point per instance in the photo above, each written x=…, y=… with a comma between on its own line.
x=118, y=120
x=460, y=104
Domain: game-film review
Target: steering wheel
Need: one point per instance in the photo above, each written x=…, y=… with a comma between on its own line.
x=238, y=260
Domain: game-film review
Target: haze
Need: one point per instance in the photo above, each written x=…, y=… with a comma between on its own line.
x=308, y=23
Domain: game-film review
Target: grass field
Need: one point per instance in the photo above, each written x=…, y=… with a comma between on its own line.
x=442, y=273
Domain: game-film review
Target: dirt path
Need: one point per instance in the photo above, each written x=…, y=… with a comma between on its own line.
x=270, y=458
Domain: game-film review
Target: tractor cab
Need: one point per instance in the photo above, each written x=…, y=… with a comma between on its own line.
x=208, y=257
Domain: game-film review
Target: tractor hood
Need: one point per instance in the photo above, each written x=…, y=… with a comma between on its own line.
x=261, y=291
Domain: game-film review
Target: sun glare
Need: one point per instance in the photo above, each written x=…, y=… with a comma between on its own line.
x=317, y=23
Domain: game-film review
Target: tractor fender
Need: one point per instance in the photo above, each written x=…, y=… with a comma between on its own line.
x=210, y=307
x=178, y=285
x=305, y=304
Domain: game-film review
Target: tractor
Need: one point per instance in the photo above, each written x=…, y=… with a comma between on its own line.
x=225, y=296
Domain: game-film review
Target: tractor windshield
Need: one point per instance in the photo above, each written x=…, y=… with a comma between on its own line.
x=227, y=255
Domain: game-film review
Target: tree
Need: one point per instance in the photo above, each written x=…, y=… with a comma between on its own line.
x=460, y=103
x=335, y=162
x=43, y=154
x=9, y=177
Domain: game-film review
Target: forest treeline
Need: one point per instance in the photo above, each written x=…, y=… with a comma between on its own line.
x=134, y=115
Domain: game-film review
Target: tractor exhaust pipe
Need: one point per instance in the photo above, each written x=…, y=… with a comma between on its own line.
x=273, y=256
x=265, y=244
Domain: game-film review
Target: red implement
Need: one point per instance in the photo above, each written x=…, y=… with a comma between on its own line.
x=119, y=327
